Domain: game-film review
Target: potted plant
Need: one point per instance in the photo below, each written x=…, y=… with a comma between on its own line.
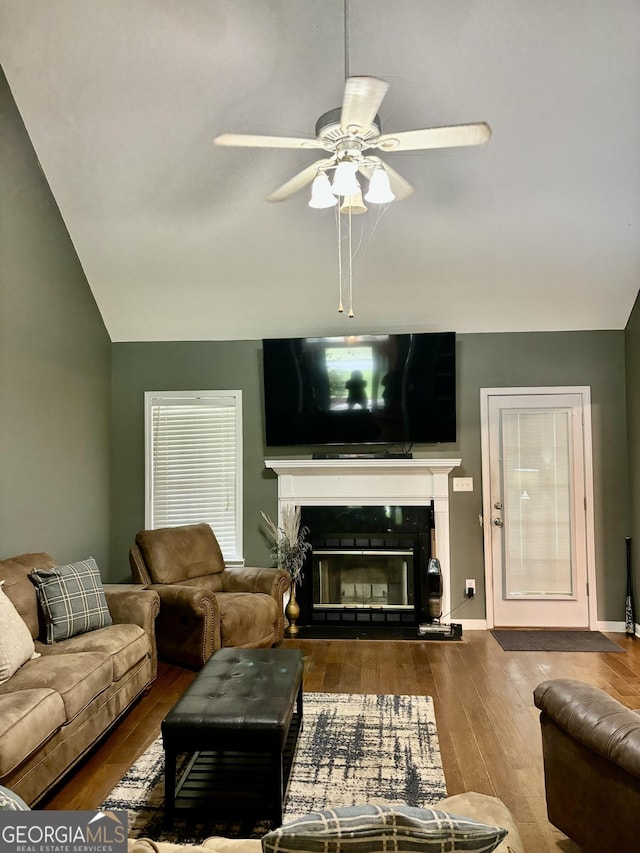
x=289, y=547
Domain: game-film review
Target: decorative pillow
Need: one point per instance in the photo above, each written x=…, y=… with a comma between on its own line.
x=10, y=802
x=16, y=642
x=72, y=599
x=382, y=829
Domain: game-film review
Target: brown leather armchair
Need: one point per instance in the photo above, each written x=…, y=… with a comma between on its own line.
x=591, y=749
x=203, y=604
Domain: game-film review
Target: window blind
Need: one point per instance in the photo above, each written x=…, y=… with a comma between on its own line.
x=194, y=457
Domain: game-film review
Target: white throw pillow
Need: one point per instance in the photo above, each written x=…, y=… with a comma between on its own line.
x=16, y=642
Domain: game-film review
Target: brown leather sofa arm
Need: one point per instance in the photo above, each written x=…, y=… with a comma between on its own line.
x=274, y=582
x=595, y=719
x=131, y=604
x=181, y=635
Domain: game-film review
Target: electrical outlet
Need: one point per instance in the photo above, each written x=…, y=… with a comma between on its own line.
x=463, y=484
x=470, y=587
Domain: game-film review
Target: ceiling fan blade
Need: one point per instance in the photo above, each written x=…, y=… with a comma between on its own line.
x=248, y=140
x=297, y=182
x=453, y=136
x=362, y=99
x=400, y=187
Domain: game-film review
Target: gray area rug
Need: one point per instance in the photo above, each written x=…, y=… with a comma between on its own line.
x=554, y=641
x=354, y=748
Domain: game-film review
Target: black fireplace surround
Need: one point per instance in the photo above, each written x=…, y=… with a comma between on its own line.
x=367, y=566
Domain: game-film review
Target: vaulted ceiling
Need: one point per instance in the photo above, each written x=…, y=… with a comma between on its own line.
x=539, y=229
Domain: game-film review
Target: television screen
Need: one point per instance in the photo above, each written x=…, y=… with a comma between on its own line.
x=360, y=389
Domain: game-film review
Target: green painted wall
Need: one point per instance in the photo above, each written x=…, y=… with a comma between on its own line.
x=173, y=366
x=55, y=369
x=632, y=340
x=596, y=359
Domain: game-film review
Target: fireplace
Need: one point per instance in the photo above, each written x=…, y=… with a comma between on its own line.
x=402, y=510
x=367, y=565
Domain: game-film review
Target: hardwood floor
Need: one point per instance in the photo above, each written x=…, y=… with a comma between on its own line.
x=487, y=724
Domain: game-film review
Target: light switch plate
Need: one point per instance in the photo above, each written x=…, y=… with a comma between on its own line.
x=463, y=484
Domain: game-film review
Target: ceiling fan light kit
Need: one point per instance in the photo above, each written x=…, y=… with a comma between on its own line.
x=379, y=191
x=353, y=204
x=348, y=133
x=321, y=193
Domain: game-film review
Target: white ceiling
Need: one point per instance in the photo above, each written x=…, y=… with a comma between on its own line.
x=537, y=230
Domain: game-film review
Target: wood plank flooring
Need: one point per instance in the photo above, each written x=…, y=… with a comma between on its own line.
x=487, y=724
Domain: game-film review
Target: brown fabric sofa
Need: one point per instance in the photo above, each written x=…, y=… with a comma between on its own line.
x=205, y=605
x=56, y=706
x=479, y=807
x=591, y=749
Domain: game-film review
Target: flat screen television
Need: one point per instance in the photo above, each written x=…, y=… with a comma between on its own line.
x=360, y=389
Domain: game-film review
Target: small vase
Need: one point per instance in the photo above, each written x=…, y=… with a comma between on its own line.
x=292, y=612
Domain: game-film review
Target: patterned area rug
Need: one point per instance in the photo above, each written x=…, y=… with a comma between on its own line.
x=354, y=748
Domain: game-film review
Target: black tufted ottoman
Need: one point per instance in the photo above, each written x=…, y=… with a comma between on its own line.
x=239, y=720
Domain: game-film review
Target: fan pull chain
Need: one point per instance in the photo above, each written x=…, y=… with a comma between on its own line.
x=340, y=305
x=350, y=269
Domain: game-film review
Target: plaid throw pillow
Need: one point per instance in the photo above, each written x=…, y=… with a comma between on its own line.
x=72, y=599
x=382, y=829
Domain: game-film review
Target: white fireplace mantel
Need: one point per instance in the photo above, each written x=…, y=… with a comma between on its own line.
x=303, y=481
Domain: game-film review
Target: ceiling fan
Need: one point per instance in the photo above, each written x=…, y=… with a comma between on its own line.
x=352, y=134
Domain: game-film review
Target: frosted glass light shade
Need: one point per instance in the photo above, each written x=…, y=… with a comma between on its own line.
x=353, y=204
x=344, y=180
x=321, y=195
x=380, y=191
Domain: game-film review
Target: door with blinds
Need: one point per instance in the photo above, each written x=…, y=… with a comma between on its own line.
x=538, y=507
x=193, y=471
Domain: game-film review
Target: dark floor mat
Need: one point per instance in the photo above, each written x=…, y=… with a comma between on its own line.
x=555, y=641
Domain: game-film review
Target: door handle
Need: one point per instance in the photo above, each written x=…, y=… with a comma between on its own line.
x=498, y=522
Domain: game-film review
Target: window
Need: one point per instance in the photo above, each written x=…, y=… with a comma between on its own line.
x=193, y=468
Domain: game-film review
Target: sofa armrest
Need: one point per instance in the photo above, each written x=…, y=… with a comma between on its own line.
x=273, y=582
x=594, y=719
x=189, y=622
x=132, y=604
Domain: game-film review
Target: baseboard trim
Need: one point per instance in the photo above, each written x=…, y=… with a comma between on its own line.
x=618, y=626
x=612, y=626
x=472, y=624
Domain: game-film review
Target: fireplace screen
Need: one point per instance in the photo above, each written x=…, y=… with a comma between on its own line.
x=363, y=579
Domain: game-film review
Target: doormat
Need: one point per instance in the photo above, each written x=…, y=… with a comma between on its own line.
x=353, y=748
x=555, y=641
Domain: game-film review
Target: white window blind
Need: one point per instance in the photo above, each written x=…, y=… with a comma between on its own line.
x=194, y=463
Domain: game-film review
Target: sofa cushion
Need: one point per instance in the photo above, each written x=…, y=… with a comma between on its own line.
x=16, y=642
x=15, y=572
x=488, y=810
x=174, y=554
x=372, y=828
x=78, y=677
x=126, y=644
x=10, y=802
x=28, y=718
x=72, y=599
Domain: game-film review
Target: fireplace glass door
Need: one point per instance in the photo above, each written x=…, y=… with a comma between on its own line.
x=363, y=579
